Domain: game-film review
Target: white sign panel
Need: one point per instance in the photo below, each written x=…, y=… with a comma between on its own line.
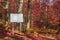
x=16, y=17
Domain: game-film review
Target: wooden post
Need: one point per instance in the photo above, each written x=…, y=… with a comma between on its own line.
x=12, y=28
x=20, y=27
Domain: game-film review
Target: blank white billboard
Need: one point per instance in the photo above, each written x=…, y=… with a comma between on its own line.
x=16, y=17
